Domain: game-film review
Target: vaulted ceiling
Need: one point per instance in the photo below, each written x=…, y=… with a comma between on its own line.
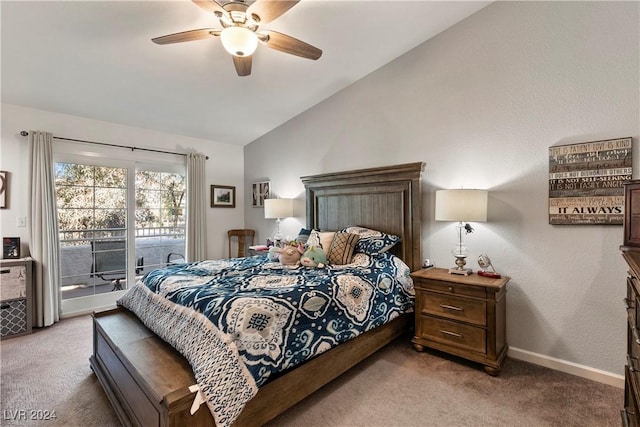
x=95, y=59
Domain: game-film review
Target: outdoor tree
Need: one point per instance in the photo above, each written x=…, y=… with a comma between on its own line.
x=91, y=201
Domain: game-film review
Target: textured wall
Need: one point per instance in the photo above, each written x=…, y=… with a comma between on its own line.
x=480, y=104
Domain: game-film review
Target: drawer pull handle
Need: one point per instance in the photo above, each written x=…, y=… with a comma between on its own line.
x=453, y=334
x=5, y=306
x=451, y=307
x=631, y=363
x=450, y=288
x=625, y=417
x=5, y=271
x=636, y=338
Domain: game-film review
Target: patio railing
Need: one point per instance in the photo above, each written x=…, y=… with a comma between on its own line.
x=154, y=244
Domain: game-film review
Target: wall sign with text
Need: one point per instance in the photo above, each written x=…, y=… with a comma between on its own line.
x=585, y=181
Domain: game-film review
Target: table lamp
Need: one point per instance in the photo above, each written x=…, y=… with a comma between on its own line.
x=278, y=208
x=463, y=206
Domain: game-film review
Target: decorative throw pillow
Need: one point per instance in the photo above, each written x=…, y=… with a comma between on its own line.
x=326, y=237
x=320, y=239
x=341, y=249
x=303, y=236
x=372, y=242
x=314, y=238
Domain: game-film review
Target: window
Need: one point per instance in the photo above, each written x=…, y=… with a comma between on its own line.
x=92, y=222
x=160, y=221
x=116, y=223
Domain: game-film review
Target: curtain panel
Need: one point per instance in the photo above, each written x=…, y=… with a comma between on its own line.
x=196, y=241
x=43, y=229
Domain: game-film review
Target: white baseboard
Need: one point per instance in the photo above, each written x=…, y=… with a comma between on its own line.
x=84, y=311
x=568, y=367
x=88, y=304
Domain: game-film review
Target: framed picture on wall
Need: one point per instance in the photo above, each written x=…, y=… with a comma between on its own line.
x=586, y=181
x=260, y=191
x=10, y=247
x=223, y=196
x=4, y=187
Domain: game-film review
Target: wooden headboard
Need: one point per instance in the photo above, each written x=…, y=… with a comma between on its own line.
x=387, y=199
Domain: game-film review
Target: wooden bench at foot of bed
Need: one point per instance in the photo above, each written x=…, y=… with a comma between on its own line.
x=147, y=380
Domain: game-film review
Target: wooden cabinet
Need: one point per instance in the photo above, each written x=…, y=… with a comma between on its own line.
x=632, y=213
x=631, y=254
x=15, y=297
x=630, y=414
x=461, y=315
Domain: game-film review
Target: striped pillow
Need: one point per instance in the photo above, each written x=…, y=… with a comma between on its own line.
x=341, y=249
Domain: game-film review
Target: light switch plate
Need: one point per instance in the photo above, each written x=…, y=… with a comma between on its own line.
x=21, y=221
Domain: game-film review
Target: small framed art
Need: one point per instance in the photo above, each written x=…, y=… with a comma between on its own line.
x=223, y=196
x=10, y=247
x=260, y=191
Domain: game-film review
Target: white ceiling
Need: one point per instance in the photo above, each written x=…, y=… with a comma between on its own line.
x=95, y=59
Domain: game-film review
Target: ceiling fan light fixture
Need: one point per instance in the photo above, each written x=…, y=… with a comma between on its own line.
x=239, y=41
x=240, y=20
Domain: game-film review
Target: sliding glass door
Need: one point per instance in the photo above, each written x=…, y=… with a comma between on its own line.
x=92, y=221
x=117, y=220
x=160, y=219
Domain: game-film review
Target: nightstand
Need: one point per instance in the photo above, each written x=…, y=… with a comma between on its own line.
x=461, y=315
x=16, y=296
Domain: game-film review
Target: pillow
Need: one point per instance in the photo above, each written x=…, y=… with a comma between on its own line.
x=372, y=242
x=341, y=249
x=303, y=236
x=321, y=239
x=314, y=238
x=326, y=237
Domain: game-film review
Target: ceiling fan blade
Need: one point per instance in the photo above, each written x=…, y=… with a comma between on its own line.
x=243, y=65
x=268, y=10
x=288, y=44
x=187, y=36
x=211, y=6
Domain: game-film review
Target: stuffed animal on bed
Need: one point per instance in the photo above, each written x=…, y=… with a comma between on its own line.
x=314, y=257
x=274, y=253
x=290, y=255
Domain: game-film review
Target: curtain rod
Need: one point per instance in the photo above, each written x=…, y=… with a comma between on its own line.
x=25, y=133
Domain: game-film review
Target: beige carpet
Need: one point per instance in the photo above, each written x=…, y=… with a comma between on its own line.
x=49, y=371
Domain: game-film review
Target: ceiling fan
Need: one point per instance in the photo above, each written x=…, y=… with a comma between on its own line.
x=240, y=35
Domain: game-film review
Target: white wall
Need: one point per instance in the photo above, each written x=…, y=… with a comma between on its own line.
x=225, y=165
x=481, y=103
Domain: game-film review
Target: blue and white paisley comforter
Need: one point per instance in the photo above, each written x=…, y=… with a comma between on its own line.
x=239, y=321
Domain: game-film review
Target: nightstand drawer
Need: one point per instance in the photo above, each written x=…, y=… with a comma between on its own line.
x=453, y=334
x=13, y=282
x=453, y=288
x=452, y=307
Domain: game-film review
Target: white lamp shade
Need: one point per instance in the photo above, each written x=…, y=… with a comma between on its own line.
x=239, y=41
x=461, y=205
x=278, y=208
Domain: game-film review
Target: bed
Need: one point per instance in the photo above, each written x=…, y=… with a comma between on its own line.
x=148, y=382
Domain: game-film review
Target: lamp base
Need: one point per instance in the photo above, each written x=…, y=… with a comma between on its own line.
x=277, y=237
x=462, y=272
x=460, y=262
